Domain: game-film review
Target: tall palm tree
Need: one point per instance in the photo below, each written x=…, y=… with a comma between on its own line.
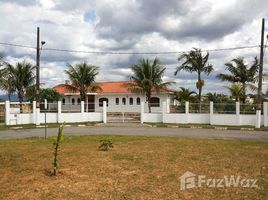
x=241, y=73
x=194, y=61
x=148, y=78
x=185, y=95
x=83, y=78
x=21, y=76
x=236, y=91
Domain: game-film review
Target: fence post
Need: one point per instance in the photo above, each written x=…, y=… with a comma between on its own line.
x=265, y=113
x=258, y=119
x=187, y=111
x=164, y=110
x=168, y=106
x=82, y=110
x=104, y=112
x=34, y=117
x=7, y=113
x=59, y=111
x=37, y=114
x=237, y=112
x=45, y=104
x=211, y=111
x=142, y=112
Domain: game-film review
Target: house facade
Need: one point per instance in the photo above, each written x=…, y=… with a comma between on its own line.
x=118, y=96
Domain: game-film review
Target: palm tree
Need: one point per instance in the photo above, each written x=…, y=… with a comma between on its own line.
x=83, y=77
x=185, y=95
x=20, y=77
x=236, y=91
x=241, y=73
x=148, y=78
x=194, y=61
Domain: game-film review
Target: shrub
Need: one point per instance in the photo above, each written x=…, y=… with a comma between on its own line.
x=106, y=144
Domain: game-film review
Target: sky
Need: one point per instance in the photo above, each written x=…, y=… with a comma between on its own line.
x=132, y=26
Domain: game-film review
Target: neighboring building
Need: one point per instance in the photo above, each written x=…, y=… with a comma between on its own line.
x=119, y=98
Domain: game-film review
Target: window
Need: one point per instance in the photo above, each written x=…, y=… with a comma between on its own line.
x=78, y=101
x=73, y=101
x=130, y=101
x=101, y=100
x=124, y=101
x=155, y=102
x=63, y=101
x=117, y=101
x=138, y=101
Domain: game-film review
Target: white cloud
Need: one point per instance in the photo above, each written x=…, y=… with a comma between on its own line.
x=133, y=26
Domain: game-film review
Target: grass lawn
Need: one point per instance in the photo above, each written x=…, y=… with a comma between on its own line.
x=137, y=168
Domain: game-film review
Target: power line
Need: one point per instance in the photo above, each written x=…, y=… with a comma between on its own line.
x=127, y=53
x=17, y=45
x=138, y=53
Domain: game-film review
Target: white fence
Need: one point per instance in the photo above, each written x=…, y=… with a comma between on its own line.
x=211, y=118
x=34, y=116
x=14, y=117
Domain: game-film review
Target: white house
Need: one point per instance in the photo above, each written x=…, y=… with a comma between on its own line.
x=118, y=96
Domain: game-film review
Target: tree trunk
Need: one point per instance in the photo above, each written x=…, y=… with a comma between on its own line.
x=21, y=100
x=244, y=93
x=199, y=91
x=149, y=103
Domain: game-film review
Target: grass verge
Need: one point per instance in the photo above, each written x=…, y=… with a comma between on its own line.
x=137, y=168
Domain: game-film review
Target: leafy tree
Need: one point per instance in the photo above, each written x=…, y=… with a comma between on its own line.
x=194, y=61
x=241, y=73
x=20, y=77
x=148, y=78
x=185, y=95
x=48, y=93
x=5, y=79
x=236, y=91
x=83, y=77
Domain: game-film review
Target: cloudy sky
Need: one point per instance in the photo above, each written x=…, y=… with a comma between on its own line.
x=131, y=26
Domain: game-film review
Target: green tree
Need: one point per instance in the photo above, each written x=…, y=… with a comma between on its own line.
x=83, y=78
x=148, y=78
x=185, y=95
x=21, y=77
x=236, y=91
x=5, y=79
x=241, y=73
x=194, y=61
x=48, y=93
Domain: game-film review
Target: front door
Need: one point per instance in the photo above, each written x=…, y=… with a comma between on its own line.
x=91, y=103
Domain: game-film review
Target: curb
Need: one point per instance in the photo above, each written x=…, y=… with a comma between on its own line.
x=209, y=127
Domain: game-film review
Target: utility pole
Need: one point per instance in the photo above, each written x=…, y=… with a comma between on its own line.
x=259, y=98
x=38, y=69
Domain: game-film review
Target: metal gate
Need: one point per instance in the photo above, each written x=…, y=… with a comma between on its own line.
x=123, y=117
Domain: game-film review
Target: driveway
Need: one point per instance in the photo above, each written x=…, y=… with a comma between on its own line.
x=141, y=131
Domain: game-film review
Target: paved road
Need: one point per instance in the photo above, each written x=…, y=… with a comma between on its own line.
x=141, y=131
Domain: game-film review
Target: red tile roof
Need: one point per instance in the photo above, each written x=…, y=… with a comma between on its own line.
x=107, y=88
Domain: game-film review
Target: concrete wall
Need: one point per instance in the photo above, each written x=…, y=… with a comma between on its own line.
x=211, y=118
x=58, y=117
